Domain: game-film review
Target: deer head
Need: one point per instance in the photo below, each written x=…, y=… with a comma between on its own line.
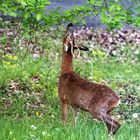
x=70, y=42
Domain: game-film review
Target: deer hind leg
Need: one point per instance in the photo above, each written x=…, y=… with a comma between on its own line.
x=101, y=114
x=112, y=124
x=65, y=112
x=74, y=114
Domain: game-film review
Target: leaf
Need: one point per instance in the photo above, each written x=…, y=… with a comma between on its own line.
x=138, y=9
x=26, y=15
x=23, y=3
x=84, y=21
x=112, y=7
x=91, y=2
x=13, y=14
x=118, y=7
x=104, y=18
x=38, y=16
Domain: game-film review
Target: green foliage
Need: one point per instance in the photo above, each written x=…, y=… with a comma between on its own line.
x=114, y=18
x=76, y=15
x=30, y=16
x=33, y=14
x=28, y=10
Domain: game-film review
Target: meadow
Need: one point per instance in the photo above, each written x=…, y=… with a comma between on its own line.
x=29, y=103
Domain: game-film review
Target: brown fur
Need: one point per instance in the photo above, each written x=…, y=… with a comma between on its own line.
x=95, y=98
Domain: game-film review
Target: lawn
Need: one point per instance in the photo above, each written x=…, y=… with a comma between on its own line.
x=52, y=128
x=30, y=108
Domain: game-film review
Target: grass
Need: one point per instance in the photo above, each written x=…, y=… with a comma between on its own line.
x=30, y=110
x=44, y=128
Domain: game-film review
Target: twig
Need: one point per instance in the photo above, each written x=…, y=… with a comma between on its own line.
x=106, y=5
x=18, y=31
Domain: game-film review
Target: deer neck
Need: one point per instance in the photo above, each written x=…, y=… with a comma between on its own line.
x=66, y=65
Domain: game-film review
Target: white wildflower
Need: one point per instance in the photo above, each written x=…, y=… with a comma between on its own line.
x=11, y=133
x=43, y=133
x=135, y=115
x=33, y=127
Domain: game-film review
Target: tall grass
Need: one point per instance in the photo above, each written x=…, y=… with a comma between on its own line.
x=45, y=128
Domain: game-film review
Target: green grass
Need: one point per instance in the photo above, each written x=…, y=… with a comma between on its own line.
x=44, y=128
x=19, y=123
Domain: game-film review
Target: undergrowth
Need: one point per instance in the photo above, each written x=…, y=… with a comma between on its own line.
x=29, y=103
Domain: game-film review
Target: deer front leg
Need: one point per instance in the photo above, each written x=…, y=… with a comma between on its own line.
x=65, y=112
x=74, y=114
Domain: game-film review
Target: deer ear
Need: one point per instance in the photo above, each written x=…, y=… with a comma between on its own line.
x=66, y=48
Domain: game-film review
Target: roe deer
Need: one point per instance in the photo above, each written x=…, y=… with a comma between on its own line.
x=95, y=98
